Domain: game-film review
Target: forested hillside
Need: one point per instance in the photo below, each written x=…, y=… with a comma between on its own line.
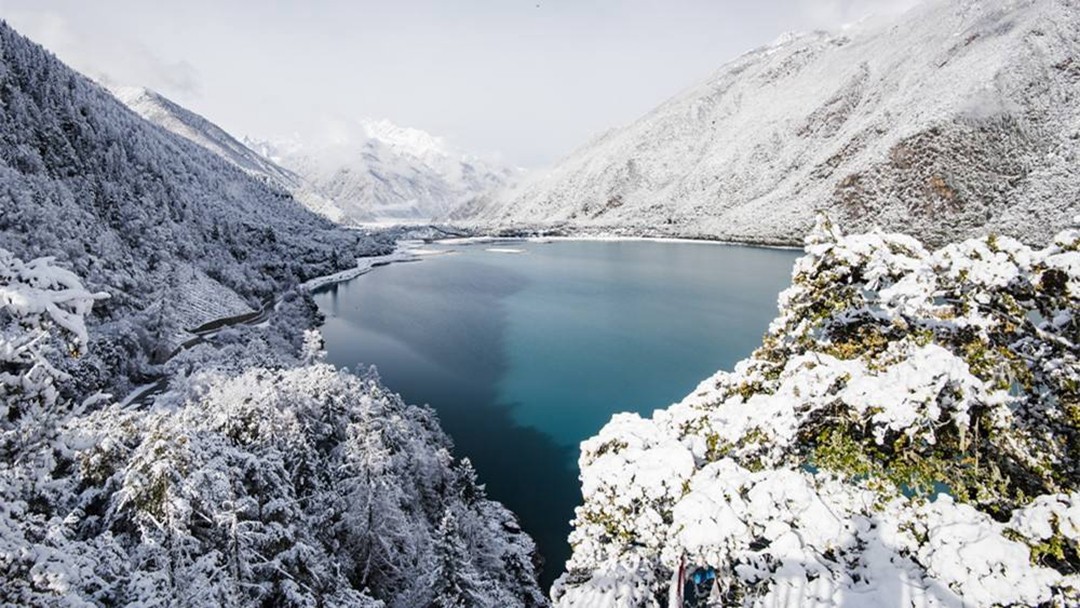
x=175, y=234
x=262, y=477
x=168, y=114
x=257, y=475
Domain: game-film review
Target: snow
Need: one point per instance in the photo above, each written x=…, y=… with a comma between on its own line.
x=787, y=477
x=908, y=397
x=946, y=122
x=966, y=550
x=363, y=266
x=377, y=171
x=166, y=113
x=615, y=587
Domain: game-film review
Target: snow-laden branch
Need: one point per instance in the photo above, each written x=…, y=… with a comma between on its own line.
x=907, y=434
x=42, y=319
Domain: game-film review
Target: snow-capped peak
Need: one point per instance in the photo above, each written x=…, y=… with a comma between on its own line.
x=406, y=140
x=375, y=169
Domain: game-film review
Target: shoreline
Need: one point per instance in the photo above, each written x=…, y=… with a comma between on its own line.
x=660, y=239
x=363, y=266
x=585, y=233
x=488, y=239
x=137, y=396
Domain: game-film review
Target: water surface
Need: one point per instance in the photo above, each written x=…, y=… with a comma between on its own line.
x=523, y=355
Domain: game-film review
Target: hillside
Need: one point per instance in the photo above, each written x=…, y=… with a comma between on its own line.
x=261, y=477
x=257, y=475
x=376, y=170
x=906, y=435
x=167, y=114
x=954, y=119
x=174, y=233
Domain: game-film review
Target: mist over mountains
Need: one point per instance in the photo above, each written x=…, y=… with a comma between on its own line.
x=376, y=170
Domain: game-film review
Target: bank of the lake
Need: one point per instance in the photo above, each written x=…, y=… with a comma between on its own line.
x=527, y=350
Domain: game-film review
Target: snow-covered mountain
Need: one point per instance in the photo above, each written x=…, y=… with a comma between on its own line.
x=168, y=114
x=376, y=170
x=259, y=475
x=955, y=118
x=173, y=232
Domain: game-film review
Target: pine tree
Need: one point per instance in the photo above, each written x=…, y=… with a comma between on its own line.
x=454, y=585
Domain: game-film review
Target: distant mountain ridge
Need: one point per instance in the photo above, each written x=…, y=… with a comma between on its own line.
x=954, y=119
x=170, y=115
x=377, y=170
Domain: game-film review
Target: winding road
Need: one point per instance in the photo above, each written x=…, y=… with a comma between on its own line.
x=142, y=396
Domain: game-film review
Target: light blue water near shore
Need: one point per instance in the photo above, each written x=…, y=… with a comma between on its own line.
x=525, y=355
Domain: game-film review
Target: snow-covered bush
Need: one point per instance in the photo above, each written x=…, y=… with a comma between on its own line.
x=261, y=477
x=300, y=486
x=907, y=434
x=42, y=320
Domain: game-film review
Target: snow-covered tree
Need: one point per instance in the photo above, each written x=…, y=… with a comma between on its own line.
x=907, y=434
x=294, y=486
x=289, y=483
x=42, y=320
x=175, y=234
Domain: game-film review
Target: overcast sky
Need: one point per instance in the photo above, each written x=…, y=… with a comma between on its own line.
x=527, y=80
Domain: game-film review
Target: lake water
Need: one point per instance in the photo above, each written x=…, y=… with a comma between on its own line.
x=523, y=355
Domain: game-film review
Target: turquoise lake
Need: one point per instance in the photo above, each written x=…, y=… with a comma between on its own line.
x=524, y=354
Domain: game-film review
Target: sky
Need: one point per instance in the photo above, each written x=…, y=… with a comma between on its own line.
x=522, y=81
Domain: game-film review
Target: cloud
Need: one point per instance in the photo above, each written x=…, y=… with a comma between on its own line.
x=828, y=14
x=110, y=56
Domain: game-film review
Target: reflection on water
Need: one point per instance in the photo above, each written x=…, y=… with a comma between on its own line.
x=525, y=355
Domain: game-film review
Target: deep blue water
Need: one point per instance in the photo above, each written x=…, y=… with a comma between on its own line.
x=525, y=355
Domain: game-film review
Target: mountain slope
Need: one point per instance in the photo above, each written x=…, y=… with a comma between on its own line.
x=376, y=170
x=167, y=114
x=957, y=118
x=259, y=476
x=174, y=233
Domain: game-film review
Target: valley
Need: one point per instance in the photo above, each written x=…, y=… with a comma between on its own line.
x=805, y=333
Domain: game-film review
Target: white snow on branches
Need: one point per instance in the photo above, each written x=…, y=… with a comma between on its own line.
x=35, y=297
x=882, y=447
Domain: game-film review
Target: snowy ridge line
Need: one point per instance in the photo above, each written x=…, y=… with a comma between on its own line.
x=172, y=117
x=185, y=237
x=378, y=172
x=952, y=120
